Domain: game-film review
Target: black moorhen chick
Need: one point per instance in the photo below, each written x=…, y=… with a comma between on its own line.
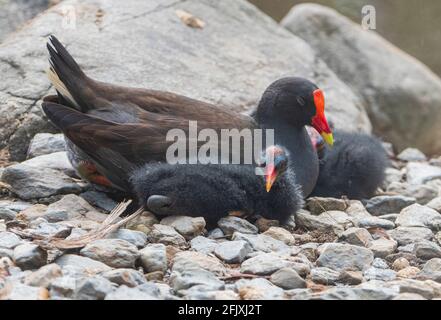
x=214, y=191
x=112, y=129
x=354, y=167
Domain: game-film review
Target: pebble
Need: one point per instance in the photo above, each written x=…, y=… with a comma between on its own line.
x=419, y=216
x=233, y=251
x=408, y=235
x=325, y=276
x=153, y=258
x=375, y=222
x=20, y=291
x=47, y=229
x=124, y=276
x=166, y=235
x=200, y=278
x=409, y=296
x=324, y=222
x=411, y=154
x=258, y=289
x=69, y=207
x=137, y=238
x=426, y=250
x=432, y=270
x=345, y=256
x=9, y=240
x=261, y=242
x=413, y=286
x=356, y=236
x=357, y=210
x=400, y=264
x=83, y=264
x=383, y=247
x=281, y=234
x=115, y=253
x=203, y=245
x=29, y=256
x=381, y=205
x=421, y=173
x=144, y=222
x=357, y=293
x=318, y=205
x=186, y=260
x=126, y=293
x=64, y=286
x=379, y=274
x=93, y=288
x=408, y=272
x=435, y=204
x=350, y=277
x=264, y=224
x=45, y=143
x=231, y=224
x=216, y=233
x=44, y=276
x=189, y=227
x=7, y=214
x=287, y=278
x=264, y=264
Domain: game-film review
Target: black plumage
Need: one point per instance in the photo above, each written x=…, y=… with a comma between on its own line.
x=354, y=167
x=214, y=191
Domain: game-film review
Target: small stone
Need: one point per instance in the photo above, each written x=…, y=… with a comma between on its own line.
x=83, y=264
x=203, y=245
x=408, y=272
x=128, y=277
x=212, y=295
x=189, y=227
x=379, y=274
x=327, y=221
x=47, y=229
x=9, y=240
x=153, y=258
x=264, y=224
x=420, y=173
x=261, y=242
x=7, y=214
x=350, y=277
x=58, y=161
x=413, y=286
x=21, y=291
x=380, y=263
x=358, y=293
x=438, y=237
x=345, y=256
x=9, y=253
x=93, y=288
x=63, y=287
x=357, y=210
x=280, y=234
x=435, y=204
x=407, y=235
x=389, y=217
x=33, y=212
x=232, y=224
x=432, y=270
x=29, y=256
x=357, y=236
x=187, y=260
x=44, y=276
x=200, y=278
x=144, y=222
x=409, y=296
x=287, y=278
x=216, y=233
x=154, y=276
x=233, y=251
x=46, y=143
x=318, y=205
x=2, y=226
x=258, y=289
x=69, y=207
x=411, y=154
x=99, y=199
x=392, y=175
x=381, y=205
x=374, y=222
x=166, y=235
x=426, y=250
x=34, y=183
x=126, y=293
x=419, y=216
x=116, y=253
x=264, y=264
x=400, y=264
x=325, y=276
x=383, y=247
x=136, y=238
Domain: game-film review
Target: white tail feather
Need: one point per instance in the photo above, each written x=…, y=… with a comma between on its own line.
x=61, y=88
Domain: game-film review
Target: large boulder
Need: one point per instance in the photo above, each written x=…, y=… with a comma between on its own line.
x=230, y=61
x=400, y=93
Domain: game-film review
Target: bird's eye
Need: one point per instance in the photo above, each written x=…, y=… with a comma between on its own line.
x=301, y=100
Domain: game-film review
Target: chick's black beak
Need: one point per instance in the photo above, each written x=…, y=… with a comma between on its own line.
x=156, y=203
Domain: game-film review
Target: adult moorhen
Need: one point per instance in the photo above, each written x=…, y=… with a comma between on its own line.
x=214, y=191
x=111, y=129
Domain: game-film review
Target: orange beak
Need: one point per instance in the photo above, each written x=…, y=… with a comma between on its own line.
x=319, y=121
x=271, y=176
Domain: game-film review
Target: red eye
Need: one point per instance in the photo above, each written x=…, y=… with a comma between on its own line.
x=319, y=101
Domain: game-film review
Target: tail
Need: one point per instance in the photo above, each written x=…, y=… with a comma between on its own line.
x=66, y=75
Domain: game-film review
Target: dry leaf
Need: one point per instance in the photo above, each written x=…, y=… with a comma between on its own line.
x=190, y=20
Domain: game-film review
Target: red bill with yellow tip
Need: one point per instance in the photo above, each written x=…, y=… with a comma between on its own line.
x=319, y=121
x=270, y=175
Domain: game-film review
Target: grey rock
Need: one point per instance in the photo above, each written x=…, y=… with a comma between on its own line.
x=426, y=250
x=64, y=286
x=323, y=222
x=166, y=235
x=20, y=291
x=380, y=263
x=189, y=227
x=281, y=234
x=420, y=173
x=57, y=161
x=383, y=247
x=356, y=236
x=84, y=264
x=226, y=18
x=9, y=253
x=44, y=276
x=287, y=278
x=258, y=289
x=411, y=154
x=347, y=49
x=99, y=199
x=212, y=295
x=47, y=229
x=419, y=216
x=116, y=253
x=203, y=244
x=264, y=264
x=414, y=287
x=126, y=293
x=317, y=205
x=200, y=278
x=350, y=277
x=7, y=214
x=261, y=242
x=345, y=256
x=409, y=296
x=374, y=222
x=357, y=210
x=392, y=175
x=326, y=276
x=46, y=143
x=29, y=256
x=32, y=183
x=187, y=260
x=9, y=240
x=432, y=270
x=379, y=274
x=216, y=233
x=435, y=204
x=16, y=206
x=93, y=288
x=127, y=277
x=70, y=207
x=407, y=235
x=400, y=264
x=232, y=224
x=347, y=293
x=137, y=238
x=233, y=251
x=389, y=217
x=153, y=258
x=381, y=205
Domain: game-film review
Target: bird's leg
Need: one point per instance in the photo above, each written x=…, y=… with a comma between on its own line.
x=237, y=213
